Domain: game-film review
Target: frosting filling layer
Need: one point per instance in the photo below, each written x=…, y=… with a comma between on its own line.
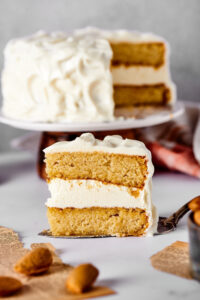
x=139, y=75
x=88, y=193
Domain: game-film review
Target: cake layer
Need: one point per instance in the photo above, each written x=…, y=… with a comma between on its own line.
x=112, y=168
x=127, y=95
x=97, y=221
x=143, y=54
x=113, y=160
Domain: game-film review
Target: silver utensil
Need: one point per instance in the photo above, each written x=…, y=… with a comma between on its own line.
x=166, y=225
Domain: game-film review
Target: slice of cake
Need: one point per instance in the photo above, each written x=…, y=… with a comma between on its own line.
x=140, y=67
x=100, y=188
x=56, y=78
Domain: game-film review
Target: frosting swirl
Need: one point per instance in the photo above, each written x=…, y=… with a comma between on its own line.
x=55, y=77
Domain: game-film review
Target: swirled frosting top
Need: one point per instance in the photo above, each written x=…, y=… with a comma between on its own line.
x=56, y=77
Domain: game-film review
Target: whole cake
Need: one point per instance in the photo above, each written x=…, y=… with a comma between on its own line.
x=100, y=188
x=84, y=76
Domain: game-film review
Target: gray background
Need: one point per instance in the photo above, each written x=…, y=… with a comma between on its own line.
x=176, y=20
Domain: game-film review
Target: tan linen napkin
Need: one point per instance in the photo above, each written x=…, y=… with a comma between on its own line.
x=175, y=145
x=173, y=259
x=50, y=285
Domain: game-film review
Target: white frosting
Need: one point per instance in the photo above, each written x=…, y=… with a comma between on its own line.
x=111, y=144
x=91, y=193
x=121, y=35
x=58, y=78
x=139, y=75
x=87, y=193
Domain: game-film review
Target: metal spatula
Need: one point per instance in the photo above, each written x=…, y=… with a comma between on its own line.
x=166, y=225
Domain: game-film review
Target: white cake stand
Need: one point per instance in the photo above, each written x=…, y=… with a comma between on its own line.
x=127, y=118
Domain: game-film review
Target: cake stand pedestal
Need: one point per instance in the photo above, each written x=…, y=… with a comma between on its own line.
x=126, y=120
x=49, y=138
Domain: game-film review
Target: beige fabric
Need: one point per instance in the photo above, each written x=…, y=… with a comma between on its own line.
x=173, y=259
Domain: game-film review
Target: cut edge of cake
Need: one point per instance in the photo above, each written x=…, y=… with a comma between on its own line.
x=140, y=61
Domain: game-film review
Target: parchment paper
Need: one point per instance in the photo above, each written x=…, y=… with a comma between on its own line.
x=50, y=285
x=173, y=259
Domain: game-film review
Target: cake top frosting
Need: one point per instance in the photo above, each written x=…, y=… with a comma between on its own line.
x=111, y=144
x=60, y=44
x=121, y=35
x=68, y=75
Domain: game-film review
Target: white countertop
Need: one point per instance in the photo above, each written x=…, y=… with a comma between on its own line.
x=123, y=262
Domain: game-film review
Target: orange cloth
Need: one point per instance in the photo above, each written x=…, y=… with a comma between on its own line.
x=176, y=145
x=179, y=158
